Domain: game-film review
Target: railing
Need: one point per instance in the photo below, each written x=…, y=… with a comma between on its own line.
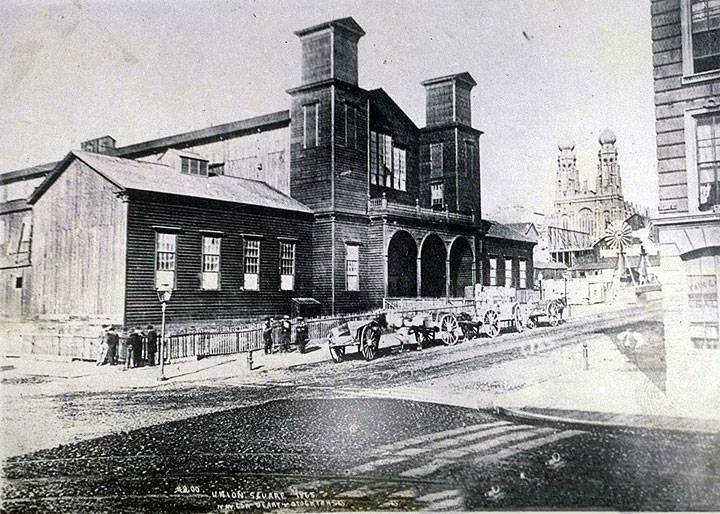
x=383, y=206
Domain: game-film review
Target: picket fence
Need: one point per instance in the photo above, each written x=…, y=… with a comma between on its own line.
x=193, y=344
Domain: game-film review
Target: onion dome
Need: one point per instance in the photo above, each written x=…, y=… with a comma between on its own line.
x=566, y=144
x=607, y=137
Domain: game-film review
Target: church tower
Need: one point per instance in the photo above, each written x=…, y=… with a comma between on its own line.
x=608, y=173
x=568, y=177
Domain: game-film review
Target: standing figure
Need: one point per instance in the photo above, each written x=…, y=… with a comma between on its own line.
x=112, y=340
x=134, y=347
x=103, y=346
x=267, y=335
x=151, y=338
x=285, y=328
x=301, y=334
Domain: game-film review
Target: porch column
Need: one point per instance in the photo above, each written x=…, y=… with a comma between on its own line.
x=474, y=262
x=419, y=276
x=447, y=275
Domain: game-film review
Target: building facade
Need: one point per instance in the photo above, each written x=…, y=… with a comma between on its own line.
x=580, y=208
x=686, y=62
x=373, y=205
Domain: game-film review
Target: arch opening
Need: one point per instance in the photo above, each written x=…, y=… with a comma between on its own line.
x=402, y=265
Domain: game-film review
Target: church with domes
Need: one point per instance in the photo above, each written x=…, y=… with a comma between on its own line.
x=580, y=208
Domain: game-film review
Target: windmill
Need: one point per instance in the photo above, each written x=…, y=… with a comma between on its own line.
x=618, y=236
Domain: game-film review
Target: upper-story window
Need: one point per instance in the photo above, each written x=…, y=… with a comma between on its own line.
x=436, y=160
x=310, y=125
x=387, y=162
x=190, y=166
x=470, y=159
x=700, y=38
x=347, y=133
x=708, y=161
x=352, y=267
x=399, y=169
x=437, y=195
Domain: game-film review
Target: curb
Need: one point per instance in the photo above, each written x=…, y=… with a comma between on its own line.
x=520, y=414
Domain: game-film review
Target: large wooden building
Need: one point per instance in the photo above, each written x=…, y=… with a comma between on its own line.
x=342, y=198
x=686, y=60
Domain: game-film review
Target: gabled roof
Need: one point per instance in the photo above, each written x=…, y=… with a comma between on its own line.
x=131, y=175
x=27, y=173
x=523, y=228
x=500, y=231
x=14, y=205
x=380, y=100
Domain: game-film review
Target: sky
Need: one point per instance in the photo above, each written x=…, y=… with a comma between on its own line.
x=547, y=70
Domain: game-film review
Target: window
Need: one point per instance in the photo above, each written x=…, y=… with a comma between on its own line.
x=18, y=282
x=347, y=135
x=703, y=294
x=381, y=155
x=189, y=166
x=310, y=125
x=23, y=247
x=436, y=160
x=252, y=264
x=493, y=271
x=523, y=274
x=702, y=44
x=352, y=267
x=399, y=169
x=470, y=158
x=287, y=266
x=708, y=161
x=436, y=195
x=211, y=263
x=165, y=259
x=508, y=273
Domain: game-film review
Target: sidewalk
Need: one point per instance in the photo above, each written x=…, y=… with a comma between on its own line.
x=612, y=392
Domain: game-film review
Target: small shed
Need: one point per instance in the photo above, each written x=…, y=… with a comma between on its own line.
x=305, y=307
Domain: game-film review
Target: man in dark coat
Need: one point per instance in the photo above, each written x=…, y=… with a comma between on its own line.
x=151, y=341
x=112, y=340
x=285, y=330
x=267, y=330
x=135, y=347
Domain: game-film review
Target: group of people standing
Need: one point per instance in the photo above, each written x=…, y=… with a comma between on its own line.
x=284, y=335
x=140, y=347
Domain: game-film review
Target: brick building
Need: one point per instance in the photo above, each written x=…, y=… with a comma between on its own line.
x=372, y=205
x=686, y=62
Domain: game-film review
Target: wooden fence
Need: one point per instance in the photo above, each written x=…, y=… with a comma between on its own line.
x=193, y=344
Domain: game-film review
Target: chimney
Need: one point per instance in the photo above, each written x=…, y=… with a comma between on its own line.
x=447, y=99
x=329, y=51
x=104, y=145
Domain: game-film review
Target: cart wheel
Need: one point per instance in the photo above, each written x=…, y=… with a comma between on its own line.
x=553, y=315
x=518, y=320
x=337, y=353
x=492, y=324
x=419, y=340
x=531, y=323
x=369, y=342
x=448, y=330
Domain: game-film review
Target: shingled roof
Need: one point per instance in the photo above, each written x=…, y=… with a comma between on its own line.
x=131, y=175
x=500, y=231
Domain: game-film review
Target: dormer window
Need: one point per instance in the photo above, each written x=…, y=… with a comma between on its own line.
x=190, y=166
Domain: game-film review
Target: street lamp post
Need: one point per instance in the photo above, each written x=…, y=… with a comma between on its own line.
x=164, y=297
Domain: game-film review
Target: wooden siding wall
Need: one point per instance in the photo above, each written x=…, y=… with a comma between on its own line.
x=346, y=56
x=463, y=104
x=351, y=169
x=189, y=302
x=11, y=226
x=671, y=101
x=384, y=118
x=263, y=156
x=310, y=167
x=78, y=248
x=447, y=138
x=354, y=301
x=316, y=61
x=507, y=249
x=439, y=103
x=469, y=186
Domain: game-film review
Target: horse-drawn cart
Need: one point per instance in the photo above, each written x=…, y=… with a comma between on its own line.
x=365, y=335
x=426, y=328
x=549, y=311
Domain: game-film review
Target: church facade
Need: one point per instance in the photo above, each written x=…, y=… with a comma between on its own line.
x=577, y=206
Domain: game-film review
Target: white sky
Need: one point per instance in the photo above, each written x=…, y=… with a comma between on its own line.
x=546, y=70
